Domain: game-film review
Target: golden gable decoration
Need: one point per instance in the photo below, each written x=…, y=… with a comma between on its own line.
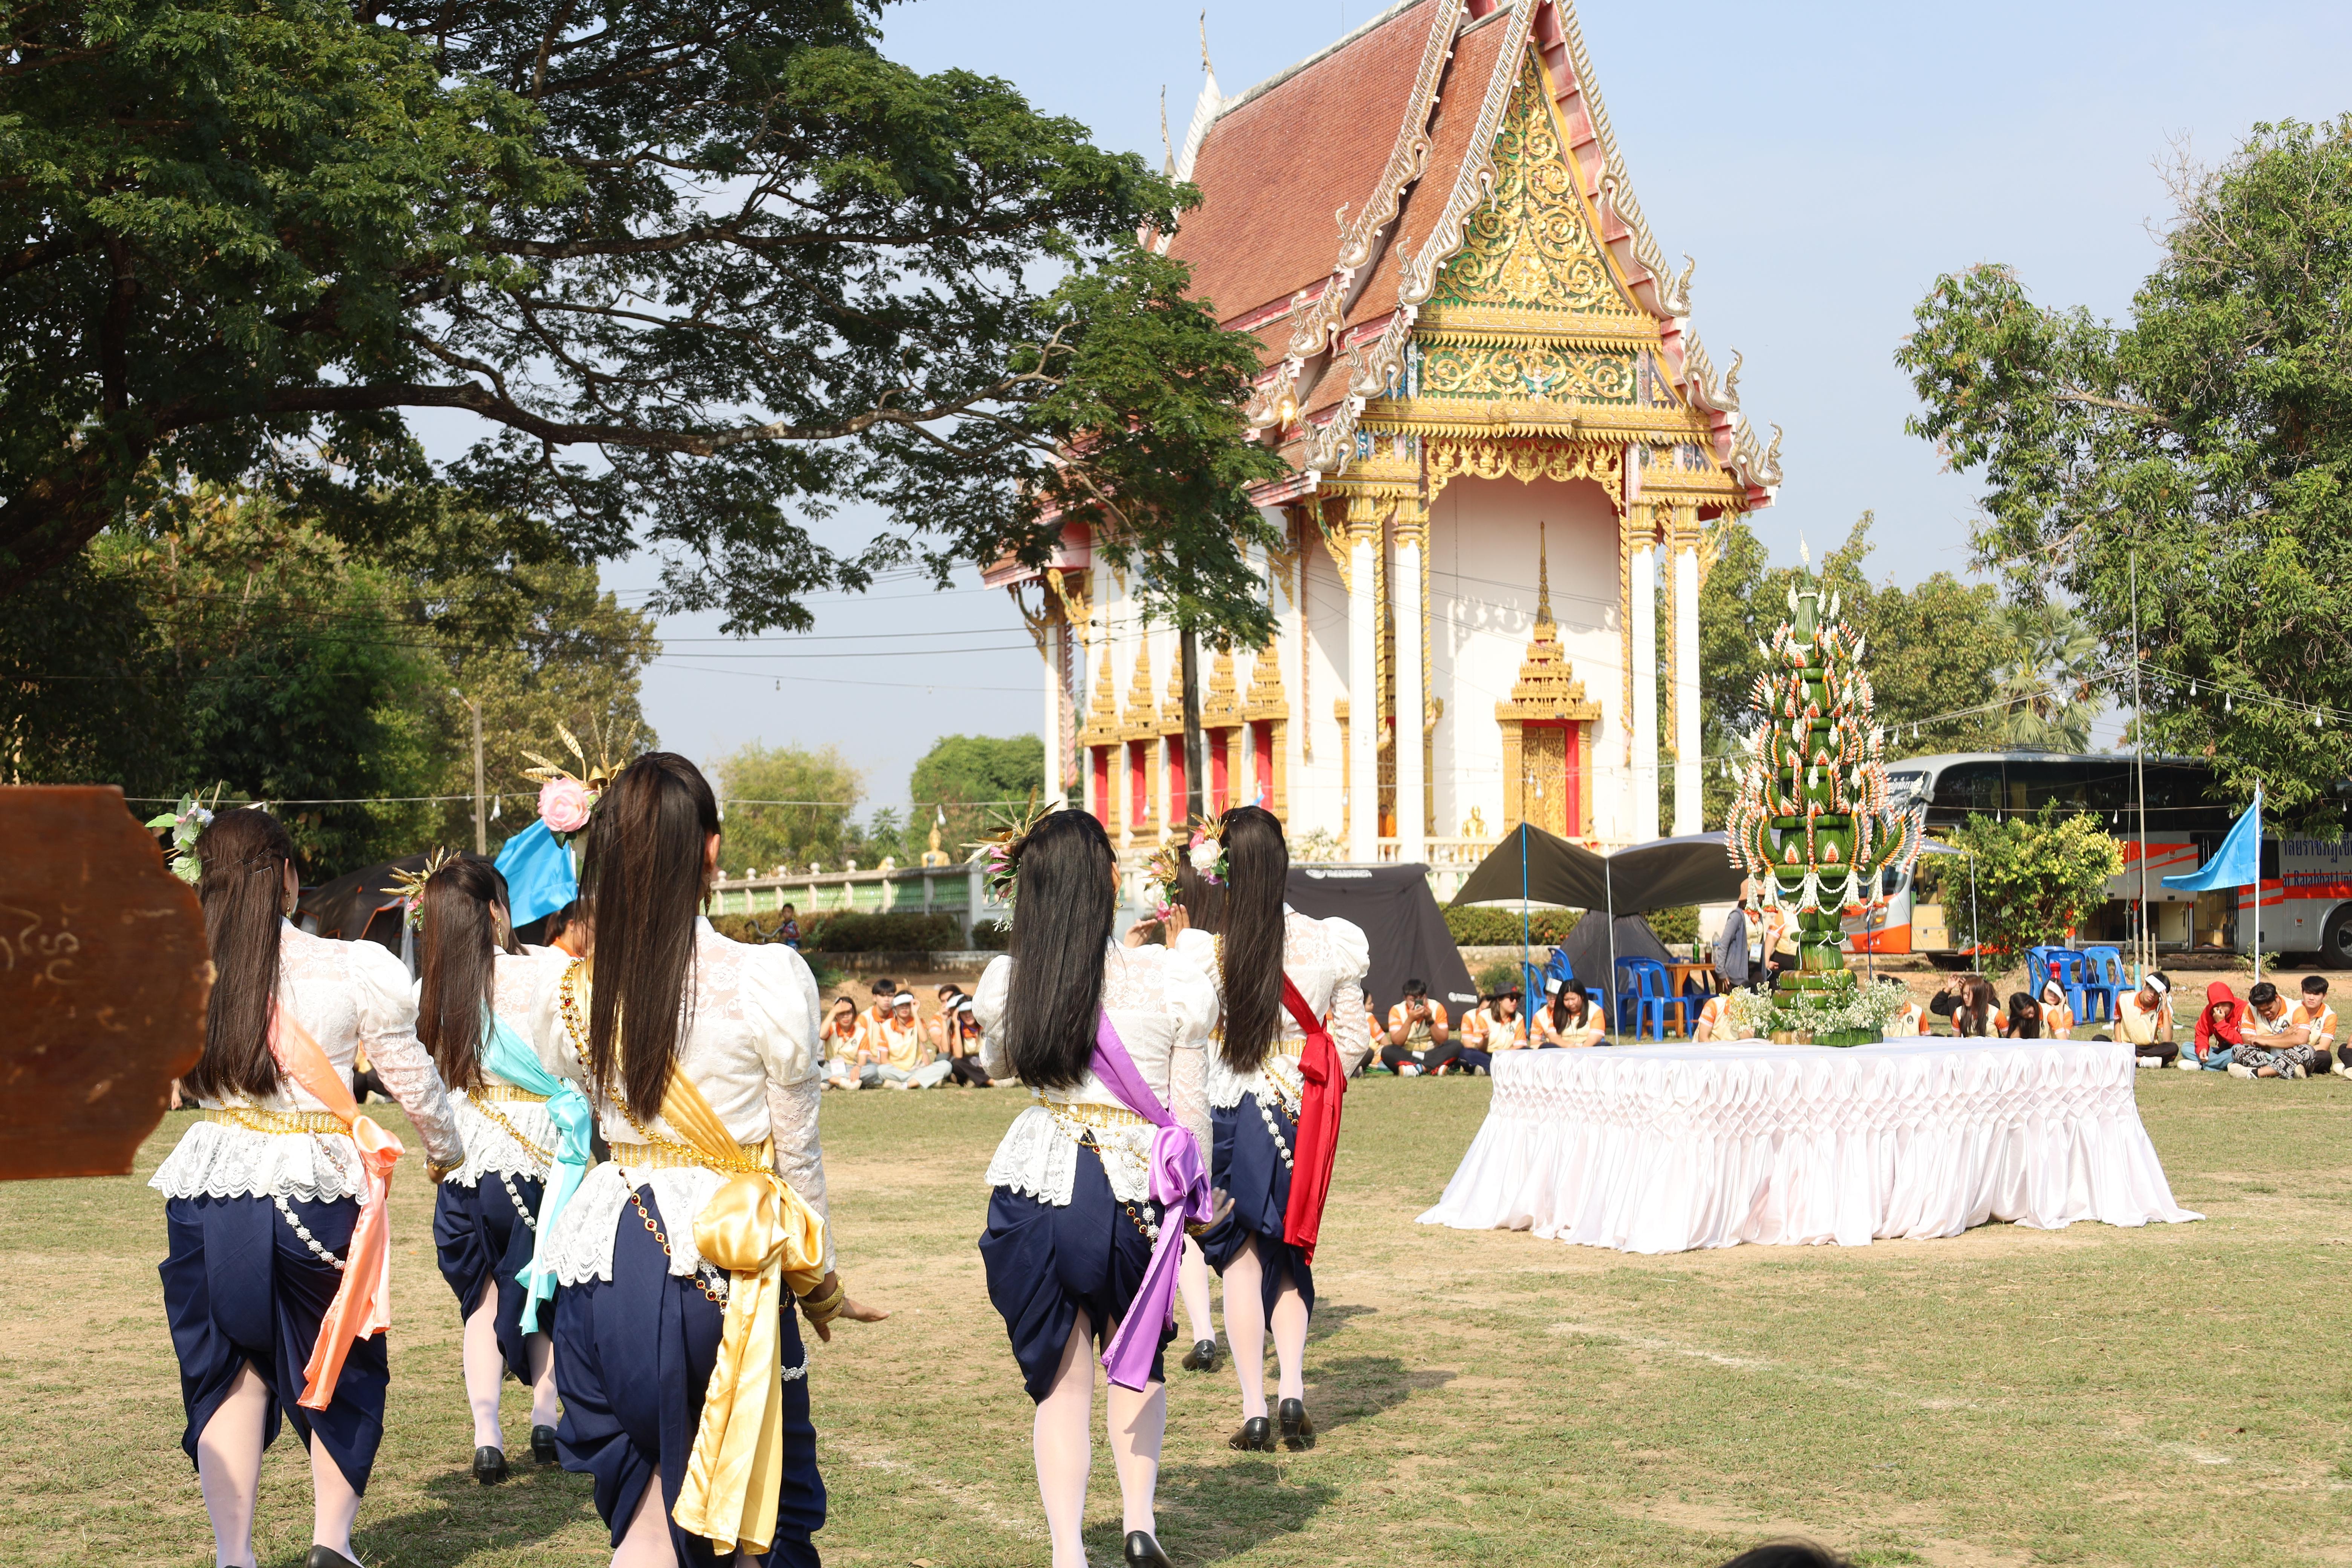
x=1531, y=244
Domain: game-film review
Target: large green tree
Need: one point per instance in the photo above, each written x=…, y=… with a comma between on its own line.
x=787, y=805
x=1930, y=651
x=974, y=780
x=2203, y=447
x=698, y=275
x=539, y=646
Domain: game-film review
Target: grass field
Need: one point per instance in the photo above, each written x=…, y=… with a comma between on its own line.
x=2172, y=1396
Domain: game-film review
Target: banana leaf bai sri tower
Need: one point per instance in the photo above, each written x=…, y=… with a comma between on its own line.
x=1506, y=446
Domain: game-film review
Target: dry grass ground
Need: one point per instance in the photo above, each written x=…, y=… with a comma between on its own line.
x=2173, y=1395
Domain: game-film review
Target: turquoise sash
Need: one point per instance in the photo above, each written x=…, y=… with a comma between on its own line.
x=514, y=1062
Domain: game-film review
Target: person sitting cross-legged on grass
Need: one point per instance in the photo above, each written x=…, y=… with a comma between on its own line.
x=901, y=1058
x=1418, y=1041
x=2275, y=1045
x=2144, y=1020
x=962, y=1054
x=2319, y=1020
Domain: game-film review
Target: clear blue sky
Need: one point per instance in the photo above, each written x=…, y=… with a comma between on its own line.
x=1824, y=162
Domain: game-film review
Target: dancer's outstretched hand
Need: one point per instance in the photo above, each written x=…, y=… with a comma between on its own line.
x=850, y=1308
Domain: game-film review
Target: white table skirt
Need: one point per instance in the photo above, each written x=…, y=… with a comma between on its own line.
x=1664, y=1148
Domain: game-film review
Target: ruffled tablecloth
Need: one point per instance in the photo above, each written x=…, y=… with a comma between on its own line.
x=1664, y=1148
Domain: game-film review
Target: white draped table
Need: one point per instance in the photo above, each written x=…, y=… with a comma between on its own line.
x=1663, y=1147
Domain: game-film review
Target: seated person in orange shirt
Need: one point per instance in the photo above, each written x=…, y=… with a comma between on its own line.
x=2057, y=1018
x=1419, y=1039
x=1568, y=1019
x=2318, y=1021
x=843, y=1044
x=1495, y=1025
x=1714, y=1022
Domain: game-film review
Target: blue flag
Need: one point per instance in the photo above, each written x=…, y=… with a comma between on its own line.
x=2238, y=863
x=539, y=878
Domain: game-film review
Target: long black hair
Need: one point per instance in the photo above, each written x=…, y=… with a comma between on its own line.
x=1247, y=911
x=243, y=853
x=1973, y=1017
x=1568, y=988
x=2024, y=1017
x=645, y=872
x=1062, y=916
x=463, y=933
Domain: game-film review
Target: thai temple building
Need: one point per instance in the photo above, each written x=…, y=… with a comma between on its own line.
x=1509, y=457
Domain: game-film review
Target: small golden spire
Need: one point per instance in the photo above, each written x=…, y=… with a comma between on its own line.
x=1543, y=578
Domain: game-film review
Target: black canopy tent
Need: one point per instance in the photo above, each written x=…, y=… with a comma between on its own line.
x=1400, y=918
x=1533, y=867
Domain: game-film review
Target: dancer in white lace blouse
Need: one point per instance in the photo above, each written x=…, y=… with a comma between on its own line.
x=675, y=1336
x=1095, y=1183
x=476, y=995
x=275, y=1201
x=1280, y=975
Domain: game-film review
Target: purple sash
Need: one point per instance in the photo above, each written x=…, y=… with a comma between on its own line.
x=1179, y=1183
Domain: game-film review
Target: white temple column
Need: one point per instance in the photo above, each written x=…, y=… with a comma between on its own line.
x=1687, y=785
x=1412, y=704
x=1644, y=777
x=1363, y=683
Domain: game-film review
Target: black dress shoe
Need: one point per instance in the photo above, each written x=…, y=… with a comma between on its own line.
x=1141, y=1549
x=542, y=1445
x=489, y=1465
x=1256, y=1436
x=1298, y=1427
x=1202, y=1357
x=327, y=1557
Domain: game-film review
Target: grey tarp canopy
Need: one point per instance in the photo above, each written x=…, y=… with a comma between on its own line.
x=1588, y=951
x=1400, y=918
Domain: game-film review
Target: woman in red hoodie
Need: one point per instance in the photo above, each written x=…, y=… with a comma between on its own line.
x=2218, y=1031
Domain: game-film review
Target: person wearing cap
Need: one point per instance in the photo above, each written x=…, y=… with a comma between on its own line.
x=2057, y=1018
x=2144, y=1020
x=961, y=1052
x=902, y=1057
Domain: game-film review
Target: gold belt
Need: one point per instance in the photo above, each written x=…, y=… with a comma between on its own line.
x=670, y=1156
x=252, y=1119
x=505, y=1091
x=1106, y=1117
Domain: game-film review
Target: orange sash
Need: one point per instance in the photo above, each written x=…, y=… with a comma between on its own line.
x=362, y=1303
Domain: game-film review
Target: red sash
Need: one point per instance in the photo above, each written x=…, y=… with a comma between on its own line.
x=1318, y=1125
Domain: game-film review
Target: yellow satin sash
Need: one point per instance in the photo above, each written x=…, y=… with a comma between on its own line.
x=769, y=1241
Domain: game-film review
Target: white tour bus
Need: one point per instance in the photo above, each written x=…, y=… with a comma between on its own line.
x=2307, y=892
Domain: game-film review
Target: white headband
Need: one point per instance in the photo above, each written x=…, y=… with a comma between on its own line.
x=904, y=999
x=2157, y=984
x=1552, y=988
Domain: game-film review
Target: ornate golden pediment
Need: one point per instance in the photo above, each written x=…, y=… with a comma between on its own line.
x=1141, y=719
x=1532, y=244
x=1220, y=706
x=1102, y=717
x=1547, y=687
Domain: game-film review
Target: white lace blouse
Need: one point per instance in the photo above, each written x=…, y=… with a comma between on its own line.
x=752, y=1047
x=1163, y=1008
x=517, y=983
x=1327, y=960
x=349, y=994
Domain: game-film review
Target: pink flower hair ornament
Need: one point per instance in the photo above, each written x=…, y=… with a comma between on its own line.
x=567, y=801
x=1201, y=849
x=1000, y=852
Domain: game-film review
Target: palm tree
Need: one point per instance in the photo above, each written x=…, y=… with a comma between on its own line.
x=2049, y=680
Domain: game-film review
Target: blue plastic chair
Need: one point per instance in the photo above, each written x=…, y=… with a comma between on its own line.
x=2103, y=981
x=1649, y=998
x=2068, y=968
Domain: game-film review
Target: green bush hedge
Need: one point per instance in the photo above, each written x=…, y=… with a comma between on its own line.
x=897, y=932
x=991, y=936
x=1500, y=927
x=753, y=929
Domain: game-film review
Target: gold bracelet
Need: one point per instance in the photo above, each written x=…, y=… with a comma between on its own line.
x=824, y=1310
x=439, y=1172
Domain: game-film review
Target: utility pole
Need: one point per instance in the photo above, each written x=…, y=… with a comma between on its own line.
x=2147, y=954
x=1195, y=752
x=481, y=814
